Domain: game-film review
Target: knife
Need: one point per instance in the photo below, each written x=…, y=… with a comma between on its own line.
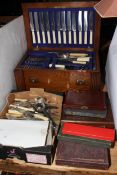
x=37, y=26
x=85, y=26
x=74, y=26
x=78, y=54
x=53, y=26
x=47, y=26
x=63, y=26
x=32, y=27
x=42, y=26
x=58, y=26
x=91, y=23
x=80, y=26
x=69, y=25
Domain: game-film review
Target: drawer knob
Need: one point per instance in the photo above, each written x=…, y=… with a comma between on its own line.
x=33, y=80
x=81, y=82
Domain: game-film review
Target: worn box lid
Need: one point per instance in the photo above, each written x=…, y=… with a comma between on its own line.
x=93, y=100
x=106, y=8
x=83, y=156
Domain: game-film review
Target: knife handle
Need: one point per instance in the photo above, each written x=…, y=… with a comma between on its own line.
x=59, y=66
x=48, y=35
x=64, y=37
x=74, y=33
x=33, y=37
x=54, y=37
x=59, y=37
x=91, y=37
x=38, y=37
x=43, y=36
x=69, y=37
x=80, y=37
x=85, y=37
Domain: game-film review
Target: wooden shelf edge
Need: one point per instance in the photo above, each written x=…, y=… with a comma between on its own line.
x=19, y=166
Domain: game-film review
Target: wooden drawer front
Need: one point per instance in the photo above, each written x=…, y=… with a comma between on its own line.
x=55, y=80
x=80, y=80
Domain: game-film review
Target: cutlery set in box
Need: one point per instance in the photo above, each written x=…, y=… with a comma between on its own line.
x=56, y=26
x=63, y=43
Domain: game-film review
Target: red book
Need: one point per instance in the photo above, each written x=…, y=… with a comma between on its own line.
x=89, y=131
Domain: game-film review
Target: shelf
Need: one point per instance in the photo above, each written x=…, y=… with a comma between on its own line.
x=37, y=169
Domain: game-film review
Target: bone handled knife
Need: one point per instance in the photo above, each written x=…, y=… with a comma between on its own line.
x=74, y=26
x=42, y=26
x=47, y=26
x=53, y=27
x=63, y=26
x=85, y=26
x=69, y=26
x=58, y=26
x=37, y=26
x=91, y=23
x=32, y=28
x=80, y=26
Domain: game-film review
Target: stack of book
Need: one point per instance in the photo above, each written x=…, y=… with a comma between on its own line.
x=84, y=146
x=87, y=130
x=88, y=107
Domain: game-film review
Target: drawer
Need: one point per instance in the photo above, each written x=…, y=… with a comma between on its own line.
x=80, y=80
x=54, y=80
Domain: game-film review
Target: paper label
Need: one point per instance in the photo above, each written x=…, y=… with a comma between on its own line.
x=35, y=158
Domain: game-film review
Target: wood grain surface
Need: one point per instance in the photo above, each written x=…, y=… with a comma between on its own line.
x=37, y=169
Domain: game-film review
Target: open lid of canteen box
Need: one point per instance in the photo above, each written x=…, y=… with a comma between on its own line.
x=62, y=26
x=107, y=9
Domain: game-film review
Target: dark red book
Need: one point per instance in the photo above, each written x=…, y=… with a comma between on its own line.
x=81, y=155
x=89, y=131
x=106, y=122
x=93, y=100
x=89, y=103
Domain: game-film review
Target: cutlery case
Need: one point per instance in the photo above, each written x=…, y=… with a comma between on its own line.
x=106, y=122
x=60, y=36
x=81, y=155
x=89, y=104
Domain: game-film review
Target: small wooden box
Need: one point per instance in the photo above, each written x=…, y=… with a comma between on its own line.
x=54, y=29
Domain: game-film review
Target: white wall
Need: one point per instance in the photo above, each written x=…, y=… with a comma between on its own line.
x=111, y=75
x=12, y=47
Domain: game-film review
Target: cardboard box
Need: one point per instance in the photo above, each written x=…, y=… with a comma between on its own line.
x=42, y=154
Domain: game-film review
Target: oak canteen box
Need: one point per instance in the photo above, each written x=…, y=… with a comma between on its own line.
x=63, y=44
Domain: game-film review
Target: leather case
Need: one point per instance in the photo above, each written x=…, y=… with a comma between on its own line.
x=84, y=140
x=91, y=103
x=89, y=131
x=107, y=122
x=83, y=156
